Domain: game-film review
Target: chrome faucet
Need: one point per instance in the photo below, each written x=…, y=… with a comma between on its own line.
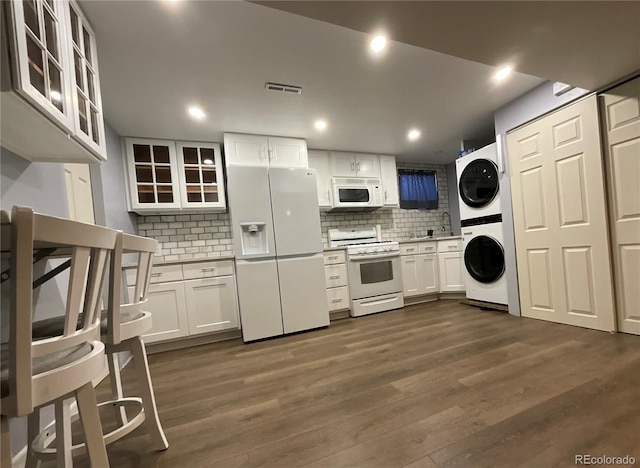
x=444, y=226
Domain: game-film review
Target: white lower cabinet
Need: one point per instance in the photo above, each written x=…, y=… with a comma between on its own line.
x=168, y=311
x=451, y=267
x=432, y=267
x=429, y=271
x=190, y=299
x=337, y=283
x=211, y=304
x=419, y=274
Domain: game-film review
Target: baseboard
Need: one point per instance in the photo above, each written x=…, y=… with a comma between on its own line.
x=339, y=315
x=420, y=299
x=486, y=305
x=181, y=343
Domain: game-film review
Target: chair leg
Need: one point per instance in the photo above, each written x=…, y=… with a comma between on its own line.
x=116, y=386
x=90, y=417
x=152, y=420
x=63, y=433
x=33, y=428
x=5, y=442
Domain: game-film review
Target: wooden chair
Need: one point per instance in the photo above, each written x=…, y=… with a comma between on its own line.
x=122, y=329
x=38, y=372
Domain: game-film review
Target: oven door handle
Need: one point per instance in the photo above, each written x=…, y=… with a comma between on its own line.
x=368, y=259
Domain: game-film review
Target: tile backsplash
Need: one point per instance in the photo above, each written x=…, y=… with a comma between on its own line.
x=189, y=236
x=195, y=236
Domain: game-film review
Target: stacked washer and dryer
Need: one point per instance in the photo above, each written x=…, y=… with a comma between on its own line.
x=481, y=220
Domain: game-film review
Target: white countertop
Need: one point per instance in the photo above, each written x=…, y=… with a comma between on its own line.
x=181, y=262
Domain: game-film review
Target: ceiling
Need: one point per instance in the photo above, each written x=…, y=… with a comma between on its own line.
x=156, y=58
x=585, y=43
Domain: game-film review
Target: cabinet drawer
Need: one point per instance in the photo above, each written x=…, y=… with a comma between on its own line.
x=335, y=275
x=159, y=274
x=408, y=249
x=453, y=245
x=427, y=247
x=335, y=256
x=338, y=298
x=207, y=269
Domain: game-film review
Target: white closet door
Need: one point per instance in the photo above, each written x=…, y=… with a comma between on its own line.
x=562, y=242
x=79, y=194
x=621, y=109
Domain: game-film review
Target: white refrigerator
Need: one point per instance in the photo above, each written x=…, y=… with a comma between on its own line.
x=278, y=246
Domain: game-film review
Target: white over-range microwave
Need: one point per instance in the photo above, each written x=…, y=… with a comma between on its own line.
x=356, y=194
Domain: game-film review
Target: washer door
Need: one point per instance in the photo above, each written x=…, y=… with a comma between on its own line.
x=479, y=183
x=484, y=259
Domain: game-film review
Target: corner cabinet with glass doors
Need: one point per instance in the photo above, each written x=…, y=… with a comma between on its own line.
x=172, y=176
x=50, y=101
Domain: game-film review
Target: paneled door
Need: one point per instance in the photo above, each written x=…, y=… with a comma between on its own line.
x=621, y=115
x=562, y=242
x=79, y=194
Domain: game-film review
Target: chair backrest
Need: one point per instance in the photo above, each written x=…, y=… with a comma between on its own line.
x=88, y=247
x=144, y=248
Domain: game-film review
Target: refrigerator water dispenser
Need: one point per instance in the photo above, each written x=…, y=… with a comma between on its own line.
x=254, y=238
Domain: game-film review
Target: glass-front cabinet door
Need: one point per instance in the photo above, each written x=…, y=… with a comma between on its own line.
x=42, y=59
x=201, y=175
x=86, y=84
x=153, y=175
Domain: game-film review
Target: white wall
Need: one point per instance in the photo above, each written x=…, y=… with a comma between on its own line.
x=535, y=103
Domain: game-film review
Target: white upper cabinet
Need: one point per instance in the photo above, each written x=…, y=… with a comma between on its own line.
x=153, y=175
x=167, y=176
x=343, y=164
x=354, y=165
x=319, y=160
x=246, y=150
x=287, y=152
x=389, y=178
x=263, y=151
x=51, y=105
x=89, y=124
x=201, y=175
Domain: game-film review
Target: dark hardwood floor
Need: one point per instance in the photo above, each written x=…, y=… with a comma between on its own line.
x=441, y=384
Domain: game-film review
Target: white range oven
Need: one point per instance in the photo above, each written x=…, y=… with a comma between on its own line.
x=357, y=194
x=373, y=268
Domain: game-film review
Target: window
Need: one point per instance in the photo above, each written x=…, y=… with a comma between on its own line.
x=418, y=190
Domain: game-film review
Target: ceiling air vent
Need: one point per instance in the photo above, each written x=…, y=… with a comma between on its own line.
x=283, y=88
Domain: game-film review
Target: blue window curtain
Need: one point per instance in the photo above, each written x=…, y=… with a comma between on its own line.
x=418, y=190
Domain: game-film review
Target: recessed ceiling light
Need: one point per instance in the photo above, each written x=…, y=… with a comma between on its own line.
x=208, y=161
x=56, y=96
x=413, y=134
x=196, y=112
x=320, y=124
x=378, y=43
x=503, y=73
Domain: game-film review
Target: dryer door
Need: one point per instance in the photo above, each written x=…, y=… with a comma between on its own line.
x=484, y=259
x=479, y=183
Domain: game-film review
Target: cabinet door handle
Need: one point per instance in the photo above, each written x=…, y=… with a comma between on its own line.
x=334, y=277
x=328, y=196
x=336, y=300
x=358, y=166
x=353, y=167
x=385, y=195
x=410, y=250
x=208, y=269
x=263, y=152
x=270, y=154
x=453, y=246
x=156, y=274
x=333, y=257
x=410, y=261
